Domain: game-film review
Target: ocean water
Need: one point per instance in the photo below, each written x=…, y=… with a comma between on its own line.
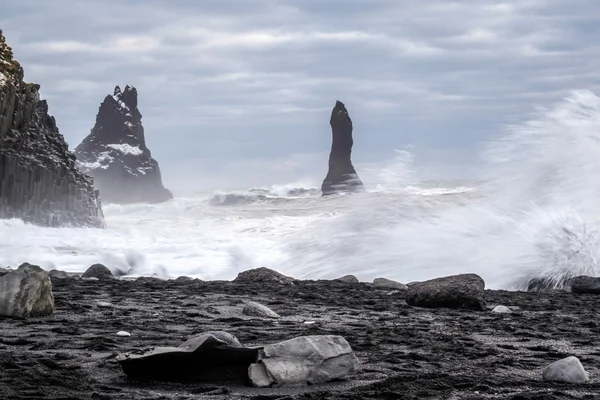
x=533, y=214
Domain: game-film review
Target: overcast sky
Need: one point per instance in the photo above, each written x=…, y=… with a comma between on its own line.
x=239, y=92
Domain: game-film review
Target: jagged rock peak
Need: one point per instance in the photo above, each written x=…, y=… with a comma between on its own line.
x=10, y=69
x=116, y=155
x=341, y=176
x=39, y=181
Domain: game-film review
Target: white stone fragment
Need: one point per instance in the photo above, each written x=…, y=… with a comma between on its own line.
x=566, y=370
x=123, y=334
x=501, y=310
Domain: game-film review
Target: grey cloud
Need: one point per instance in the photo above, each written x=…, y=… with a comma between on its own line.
x=237, y=80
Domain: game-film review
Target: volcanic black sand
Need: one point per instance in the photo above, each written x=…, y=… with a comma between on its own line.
x=405, y=352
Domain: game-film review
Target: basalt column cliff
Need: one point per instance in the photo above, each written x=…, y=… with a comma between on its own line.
x=342, y=176
x=115, y=153
x=39, y=181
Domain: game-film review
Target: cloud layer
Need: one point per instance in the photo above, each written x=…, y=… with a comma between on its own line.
x=231, y=87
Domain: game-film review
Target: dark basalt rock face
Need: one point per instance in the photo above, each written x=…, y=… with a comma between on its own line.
x=115, y=153
x=342, y=176
x=39, y=181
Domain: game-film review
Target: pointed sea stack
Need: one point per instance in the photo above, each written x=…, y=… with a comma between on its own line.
x=342, y=176
x=115, y=153
x=39, y=182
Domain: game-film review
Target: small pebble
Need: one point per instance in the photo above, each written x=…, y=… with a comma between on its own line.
x=501, y=310
x=309, y=322
x=104, y=304
x=123, y=334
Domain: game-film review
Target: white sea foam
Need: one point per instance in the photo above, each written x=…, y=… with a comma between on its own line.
x=534, y=215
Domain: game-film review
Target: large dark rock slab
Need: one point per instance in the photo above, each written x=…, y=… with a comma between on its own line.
x=39, y=181
x=457, y=291
x=341, y=176
x=211, y=356
x=116, y=155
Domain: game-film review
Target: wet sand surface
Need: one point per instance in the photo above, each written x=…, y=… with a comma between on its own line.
x=405, y=352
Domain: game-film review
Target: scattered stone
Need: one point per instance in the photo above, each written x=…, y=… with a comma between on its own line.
x=341, y=176
x=305, y=360
x=457, y=291
x=585, y=284
x=501, y=310
x=26, y=292
x=56, y=274
x=183, y=279
x=116, y=156
x=389, y=284
x=256, y=309
x=211, y=356
x=566, y=370
x=104, y=304
x=348, y=279
x=93, y=278
x=263, y=275
x=123, y=334
x=98, y=271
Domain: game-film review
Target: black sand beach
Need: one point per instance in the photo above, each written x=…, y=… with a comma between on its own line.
x=405, y=352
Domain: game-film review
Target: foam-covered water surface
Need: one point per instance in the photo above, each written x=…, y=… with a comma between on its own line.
x=534, y=214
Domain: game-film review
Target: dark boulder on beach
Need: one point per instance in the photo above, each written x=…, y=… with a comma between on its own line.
x=39, y=181
x=116, y=155
x=263, y=274
x=585, y=284
x=342, y=176
x=456, y=291
x=98, y=271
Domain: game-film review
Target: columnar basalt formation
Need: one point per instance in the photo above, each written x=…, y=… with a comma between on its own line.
x=342, y=176
x=116, y=156
x=39, y=181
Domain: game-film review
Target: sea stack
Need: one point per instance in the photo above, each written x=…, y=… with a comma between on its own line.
x=341, y=176
x=39, y=181
x=116, y=156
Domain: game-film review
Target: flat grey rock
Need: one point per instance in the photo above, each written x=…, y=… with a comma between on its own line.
x=305, y=360
x=566, y=370
x=258, y=310
x=348, y=279
x=389, y=284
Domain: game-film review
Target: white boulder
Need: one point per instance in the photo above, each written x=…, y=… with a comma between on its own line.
x=566, y=370
x=303, y=361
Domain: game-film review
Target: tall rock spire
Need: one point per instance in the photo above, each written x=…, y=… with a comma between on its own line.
x=115, y=153
x=39, y=181
x=341, y=176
